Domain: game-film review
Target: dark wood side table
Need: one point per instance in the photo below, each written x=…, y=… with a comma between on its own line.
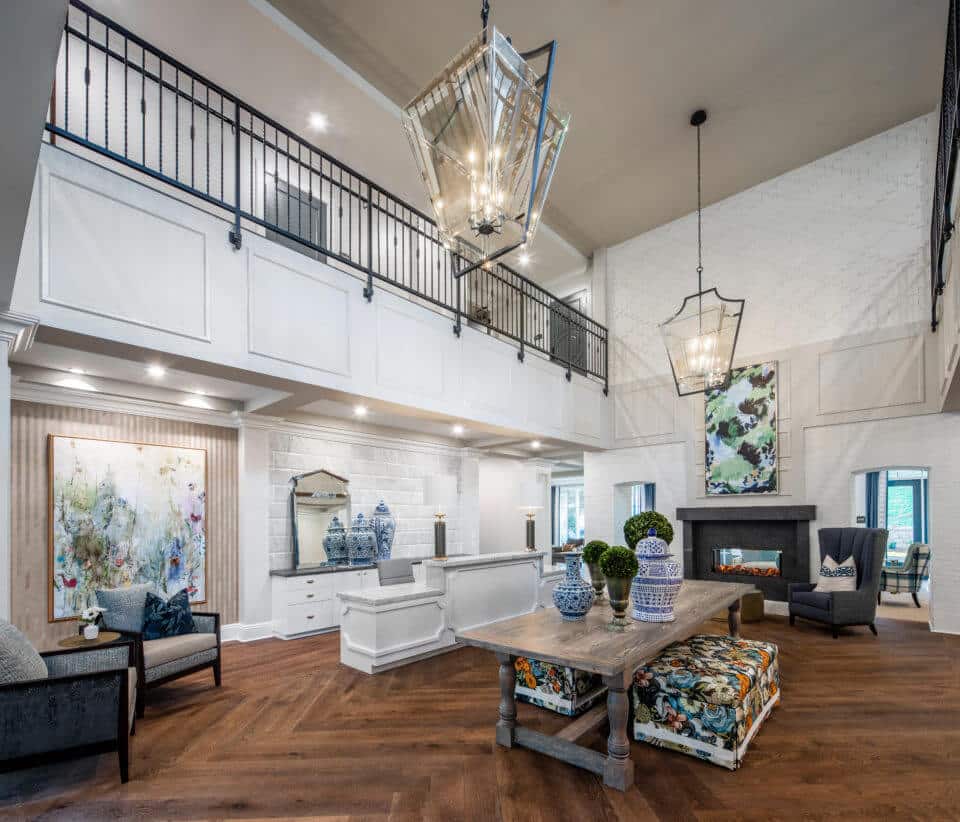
x=104, y=638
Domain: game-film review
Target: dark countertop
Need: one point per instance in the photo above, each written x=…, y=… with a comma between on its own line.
x=336, y=569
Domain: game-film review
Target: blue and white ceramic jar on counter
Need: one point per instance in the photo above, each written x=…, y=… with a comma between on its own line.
x=335, y=542
x=384, y=529
x=655, y=587
x=361, y=542
x=573, y=595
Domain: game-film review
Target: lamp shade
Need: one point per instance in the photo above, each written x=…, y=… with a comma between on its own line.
x=441, y=492
x=486, y=141
x=700, y=340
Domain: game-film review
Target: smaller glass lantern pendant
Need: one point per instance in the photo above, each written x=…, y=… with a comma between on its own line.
x=701, y=337
x=486, y=141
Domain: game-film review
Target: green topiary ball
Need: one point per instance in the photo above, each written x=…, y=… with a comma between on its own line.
x=593, y=550
x=636, y=528
x=619, y=562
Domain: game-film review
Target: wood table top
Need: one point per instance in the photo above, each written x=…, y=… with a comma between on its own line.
x=79, y=641
x=590, y=645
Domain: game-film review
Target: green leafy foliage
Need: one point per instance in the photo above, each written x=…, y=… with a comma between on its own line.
x=636, y=528
x=593, y=550
x=619, y=562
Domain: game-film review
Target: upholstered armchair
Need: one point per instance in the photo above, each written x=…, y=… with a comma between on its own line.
x=161, y=660
x=84, y=706
x=907, y=576
x=844, y=608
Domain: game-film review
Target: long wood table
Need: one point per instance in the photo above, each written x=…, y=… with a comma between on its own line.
x=590, y=645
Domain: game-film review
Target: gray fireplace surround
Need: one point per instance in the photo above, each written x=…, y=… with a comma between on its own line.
x=778, y=527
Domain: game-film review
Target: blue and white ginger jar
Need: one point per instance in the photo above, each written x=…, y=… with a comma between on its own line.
x=361, y=542
x=573, y=595
x=335, y=542
x=655, y=588
x=384, y=528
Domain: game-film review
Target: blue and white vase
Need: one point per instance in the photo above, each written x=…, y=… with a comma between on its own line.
x=655, y=587
x=335, y=542
x=385, y=528
x=573, y=595
x=361, y=542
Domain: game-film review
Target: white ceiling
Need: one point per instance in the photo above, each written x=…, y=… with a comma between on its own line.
x=256, y=53
x=785, y=82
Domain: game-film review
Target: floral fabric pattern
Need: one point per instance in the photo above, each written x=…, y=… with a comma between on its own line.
x=564, y=690
x=706, y=696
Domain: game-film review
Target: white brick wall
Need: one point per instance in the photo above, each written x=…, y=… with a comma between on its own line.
x=835, y=248
x=378, y=469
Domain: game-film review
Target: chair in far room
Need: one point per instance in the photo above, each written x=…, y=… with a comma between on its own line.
x=395, y=571
x=840, y=609
x=906, y=577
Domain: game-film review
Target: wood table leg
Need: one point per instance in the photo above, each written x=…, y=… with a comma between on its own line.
x=618, y=767
x=507, y=723
x=733, y=619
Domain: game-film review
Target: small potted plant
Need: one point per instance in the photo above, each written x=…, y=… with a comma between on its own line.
x=619, y=566
x=89, y=619
x=639, y=525
x=592, y=552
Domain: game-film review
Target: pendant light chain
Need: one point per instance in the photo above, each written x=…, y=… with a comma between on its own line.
x=484, y=13
x=699, y=219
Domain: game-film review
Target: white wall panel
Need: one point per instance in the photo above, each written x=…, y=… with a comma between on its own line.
x=107, y=266
x=874, y=375
x=298, y=317
x=410, y=352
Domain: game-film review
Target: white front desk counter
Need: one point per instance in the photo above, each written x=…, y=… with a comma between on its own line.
x=382, y=627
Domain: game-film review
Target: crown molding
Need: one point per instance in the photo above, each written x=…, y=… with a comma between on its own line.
x=17, y=330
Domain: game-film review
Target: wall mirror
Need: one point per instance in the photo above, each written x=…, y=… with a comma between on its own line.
x=315, y=499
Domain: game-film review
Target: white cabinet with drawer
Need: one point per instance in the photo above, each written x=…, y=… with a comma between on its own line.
x=308, y=604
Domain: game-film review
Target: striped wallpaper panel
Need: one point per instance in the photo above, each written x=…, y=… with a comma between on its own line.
x=31, y=423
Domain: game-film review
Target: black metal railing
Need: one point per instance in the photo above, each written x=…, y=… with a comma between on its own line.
x=118, y=96
x=941, y=221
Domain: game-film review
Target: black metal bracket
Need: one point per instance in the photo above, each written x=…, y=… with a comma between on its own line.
x=235, y=239
x=520, y=355
x=368, y=292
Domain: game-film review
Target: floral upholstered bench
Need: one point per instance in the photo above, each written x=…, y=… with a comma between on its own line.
x=706, y=696
x=564, y=690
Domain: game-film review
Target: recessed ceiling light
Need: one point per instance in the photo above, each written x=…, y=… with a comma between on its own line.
x=156, y=371
x=199, y=392
x=78, y=385
x=318, y=121
x=77, y=371
x=195, y=402
x=360, y=410
x=458, y=430
x=535, y=444
x=524, y=258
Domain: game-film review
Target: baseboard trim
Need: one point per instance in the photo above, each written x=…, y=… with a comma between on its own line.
x=237, y=632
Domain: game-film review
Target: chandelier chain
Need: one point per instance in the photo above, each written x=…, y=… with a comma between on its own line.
x=699, y=219
x=484, y=13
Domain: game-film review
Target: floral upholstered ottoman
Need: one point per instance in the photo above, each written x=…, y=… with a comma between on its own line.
x=706, y=696
x=564, y=690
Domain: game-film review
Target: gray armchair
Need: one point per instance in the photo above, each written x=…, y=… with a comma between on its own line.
x=84, y=706
x=844, y=608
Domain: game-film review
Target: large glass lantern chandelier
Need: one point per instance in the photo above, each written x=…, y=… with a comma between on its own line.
x=486, y=140
x=702, y=336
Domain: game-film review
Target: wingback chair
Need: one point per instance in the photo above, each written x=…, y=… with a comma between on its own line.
x=161, y=660
x=844, y=608
x=70, y=703
x=907, y=576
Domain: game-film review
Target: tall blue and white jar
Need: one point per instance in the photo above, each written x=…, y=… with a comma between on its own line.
x=384, y=528
x=573, y=595
x=361, y=542
x=335, y=542
x=655, y=588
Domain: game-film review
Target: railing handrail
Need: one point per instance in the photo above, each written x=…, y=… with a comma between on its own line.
x=499, y=272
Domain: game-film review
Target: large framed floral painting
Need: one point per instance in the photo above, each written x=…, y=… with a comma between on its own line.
x=741, y=433
x=122, y=513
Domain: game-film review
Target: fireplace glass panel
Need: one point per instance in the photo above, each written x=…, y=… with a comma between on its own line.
x=757, y=562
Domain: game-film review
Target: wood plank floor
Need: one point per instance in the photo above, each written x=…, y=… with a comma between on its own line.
x=868, y=728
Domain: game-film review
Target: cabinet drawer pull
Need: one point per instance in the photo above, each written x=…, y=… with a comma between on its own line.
x=310, y=616
x=310, y=596
x=310, y=581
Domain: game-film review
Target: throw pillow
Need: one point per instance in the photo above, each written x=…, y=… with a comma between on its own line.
x=19, y=660
x=124, y=606
x=837, y=577
x=171, y=618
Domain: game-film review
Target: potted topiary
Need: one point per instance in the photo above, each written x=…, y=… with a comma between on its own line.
x=639, y=525
x=592, y=552
x=619, y=566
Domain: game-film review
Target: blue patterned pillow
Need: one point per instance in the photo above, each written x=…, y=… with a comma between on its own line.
x=171, y=618
x=837, y=577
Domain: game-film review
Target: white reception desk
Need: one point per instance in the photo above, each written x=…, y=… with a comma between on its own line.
x=387, y=626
